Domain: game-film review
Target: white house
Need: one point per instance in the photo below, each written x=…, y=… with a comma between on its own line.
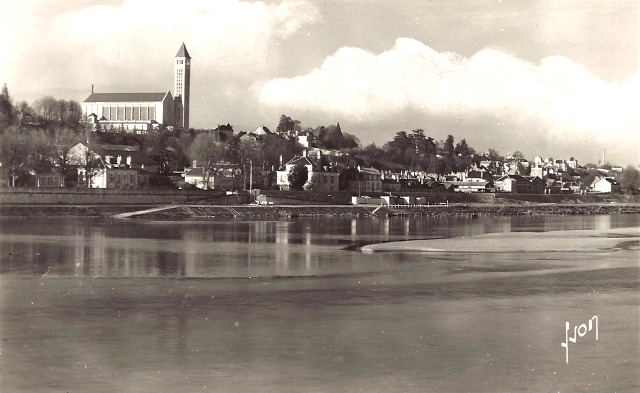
x=319, y=178
x=606, y=184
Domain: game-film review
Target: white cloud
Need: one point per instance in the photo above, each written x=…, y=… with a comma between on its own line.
x=561, y=98
x=131, y=44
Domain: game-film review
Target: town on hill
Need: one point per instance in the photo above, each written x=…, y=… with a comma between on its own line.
x=144, y=141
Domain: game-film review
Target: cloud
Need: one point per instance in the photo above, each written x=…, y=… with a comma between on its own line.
x=132, y=44
x=556, y=98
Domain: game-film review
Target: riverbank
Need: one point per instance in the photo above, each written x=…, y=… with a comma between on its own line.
x=203, y=212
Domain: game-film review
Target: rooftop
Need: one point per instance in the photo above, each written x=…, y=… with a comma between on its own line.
x=126, y=97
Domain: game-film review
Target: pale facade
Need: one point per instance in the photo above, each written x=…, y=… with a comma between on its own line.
x=130, y=112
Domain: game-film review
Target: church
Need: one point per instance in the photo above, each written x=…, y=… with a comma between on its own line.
x=143, y=112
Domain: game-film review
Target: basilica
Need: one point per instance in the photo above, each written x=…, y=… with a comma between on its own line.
x=142, y=112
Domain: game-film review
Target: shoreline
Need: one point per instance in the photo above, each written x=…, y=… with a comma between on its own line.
x=207, y=212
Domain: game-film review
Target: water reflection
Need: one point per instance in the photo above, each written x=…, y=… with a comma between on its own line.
x=238, y=248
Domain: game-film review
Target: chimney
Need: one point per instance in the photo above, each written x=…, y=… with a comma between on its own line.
x=304, y=153
x=194, y=164
x=129, y=161
x=280, y=160
x=119, y=160
x=319, y=154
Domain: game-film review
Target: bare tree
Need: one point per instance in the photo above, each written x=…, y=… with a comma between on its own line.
x=207, y=152
x=13, y=153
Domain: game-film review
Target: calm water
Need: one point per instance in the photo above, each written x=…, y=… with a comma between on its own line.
x=292, y=306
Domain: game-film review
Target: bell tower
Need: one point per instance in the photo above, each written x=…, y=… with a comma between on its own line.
x=182, y=87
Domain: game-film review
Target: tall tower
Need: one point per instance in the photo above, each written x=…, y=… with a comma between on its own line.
x=182, y=87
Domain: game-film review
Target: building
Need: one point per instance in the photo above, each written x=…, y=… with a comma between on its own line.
x=365, y=180
x=606, y=184
x=469, y=186
x=221, y=176
x=113, y=166
x=319, y=178
x=519, y=184
x=143, y=112
x=182, y=87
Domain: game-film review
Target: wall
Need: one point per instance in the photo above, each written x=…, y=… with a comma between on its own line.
x=83, y=196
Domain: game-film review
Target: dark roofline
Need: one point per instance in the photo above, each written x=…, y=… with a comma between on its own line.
x=127, y=97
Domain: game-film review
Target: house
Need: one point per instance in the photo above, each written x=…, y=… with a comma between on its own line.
x=319, y=178
x=112, y=166
x=142, y=112
x=606, y=184
x=365, y=180
x=390, y=185
x=469, y=186
x=221, y=176
x=49, y=180
x=519, y=184
x=258, y=134
x=125, y=178
x=221, y=133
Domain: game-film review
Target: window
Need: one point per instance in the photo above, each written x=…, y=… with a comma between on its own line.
x=120, y=113
x=136, y=113
x=144, y=113
x=152, y=113
x=105, y=112
x=128, y=113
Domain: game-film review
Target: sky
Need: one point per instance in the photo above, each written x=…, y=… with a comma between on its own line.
x=547, y=78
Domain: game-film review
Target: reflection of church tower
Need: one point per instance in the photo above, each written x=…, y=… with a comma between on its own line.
x=182, y=87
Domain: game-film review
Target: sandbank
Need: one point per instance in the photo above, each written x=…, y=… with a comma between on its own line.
x=553, y=241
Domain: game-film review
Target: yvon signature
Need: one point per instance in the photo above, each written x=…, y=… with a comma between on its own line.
x=578, y=331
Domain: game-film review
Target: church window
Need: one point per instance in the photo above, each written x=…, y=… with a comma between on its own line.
x=120, y=113
x=144, y=113
x=112, y=111
x=105, y=112
x=136, y=113
x=152, y=113
x=127, y=113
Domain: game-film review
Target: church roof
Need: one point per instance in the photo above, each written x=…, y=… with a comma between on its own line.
x=183, y=52
x=126, y=97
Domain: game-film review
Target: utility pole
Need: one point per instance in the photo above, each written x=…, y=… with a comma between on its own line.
x=250, y=176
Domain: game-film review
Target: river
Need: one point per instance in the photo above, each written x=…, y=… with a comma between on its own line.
x=293, y=306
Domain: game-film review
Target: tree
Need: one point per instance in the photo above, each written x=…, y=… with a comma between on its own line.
x=64, y=140
x=89, y=160
x=6, y=108
x=449, y=148
x=462, y=148
x=287, y=126
x=518, y=155
x=13, y=153
x=494, y=155
x=298, y=176
x=207, y=152
x=22, y=112
x=57, y=113
x=630, y=180
x=401, y=149
x=41, y=153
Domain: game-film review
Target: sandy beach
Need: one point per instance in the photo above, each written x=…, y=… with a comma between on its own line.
x=555, y=241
